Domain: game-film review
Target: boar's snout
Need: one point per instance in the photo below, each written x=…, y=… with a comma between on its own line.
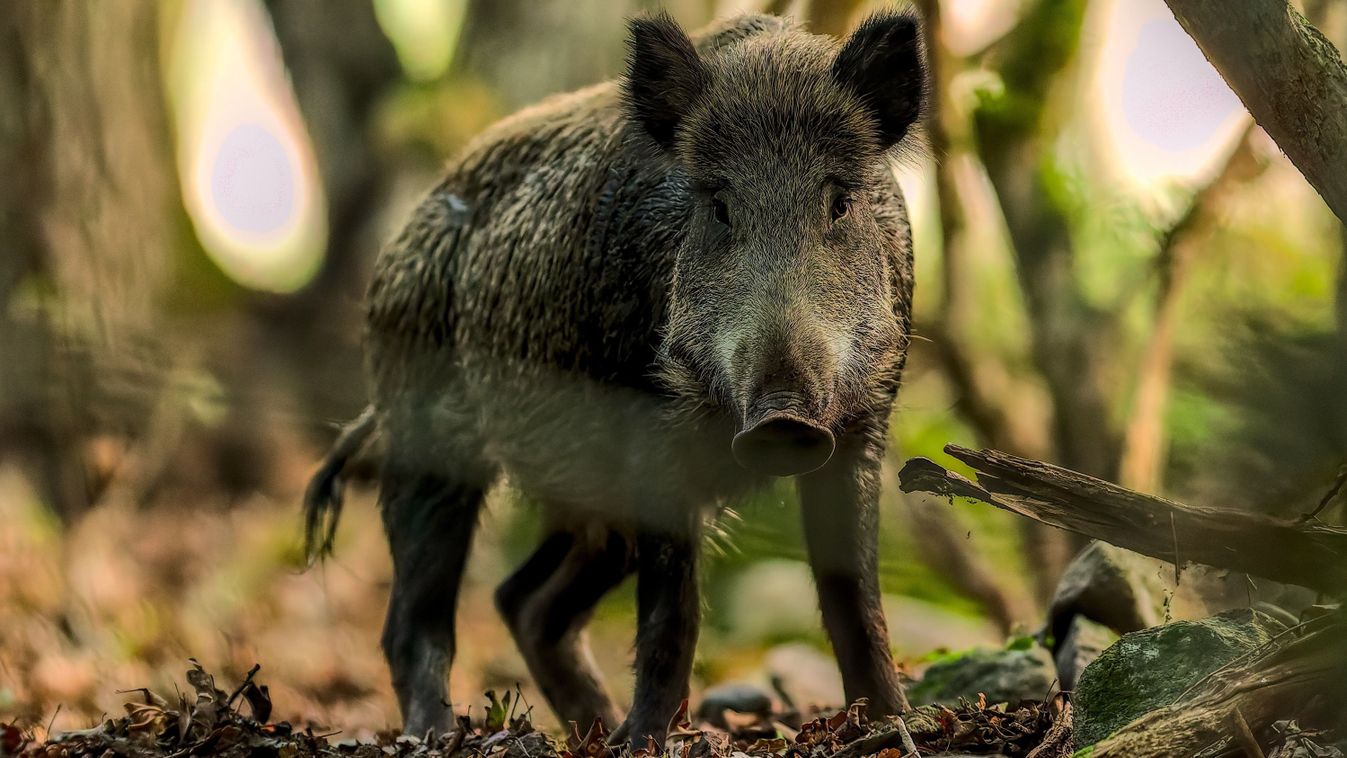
x=778, y=440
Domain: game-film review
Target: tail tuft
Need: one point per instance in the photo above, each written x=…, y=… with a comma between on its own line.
x=323, y=497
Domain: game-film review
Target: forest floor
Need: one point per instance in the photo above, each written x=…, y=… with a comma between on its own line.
x=127, y=594
x=204, y=719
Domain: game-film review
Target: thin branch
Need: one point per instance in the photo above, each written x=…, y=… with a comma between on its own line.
x=1329, y=496
x=1143, y=438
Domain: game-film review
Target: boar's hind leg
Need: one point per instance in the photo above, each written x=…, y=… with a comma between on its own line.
x=430, y=521
x=841, y=514
x=546, y=604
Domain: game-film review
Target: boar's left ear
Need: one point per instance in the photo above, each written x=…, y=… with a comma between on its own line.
x=664, y=76
x=882, y=63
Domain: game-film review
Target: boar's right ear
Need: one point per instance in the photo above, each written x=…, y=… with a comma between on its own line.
x=664, y=76
x=882, y=62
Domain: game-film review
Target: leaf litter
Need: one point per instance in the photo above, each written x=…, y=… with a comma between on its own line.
x=207, y=721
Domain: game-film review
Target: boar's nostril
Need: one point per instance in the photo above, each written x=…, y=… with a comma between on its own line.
x=780, y=444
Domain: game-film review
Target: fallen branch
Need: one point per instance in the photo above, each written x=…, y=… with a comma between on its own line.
x=1305, y=553
x=944, y=548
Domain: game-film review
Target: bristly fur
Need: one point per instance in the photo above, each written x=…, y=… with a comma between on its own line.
x=665, y=75
x=882, y=63
x=324, y=495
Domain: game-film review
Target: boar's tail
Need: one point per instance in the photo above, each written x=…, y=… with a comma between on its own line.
x=323, y=496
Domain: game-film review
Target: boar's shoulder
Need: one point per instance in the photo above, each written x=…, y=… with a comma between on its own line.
x=550, y=243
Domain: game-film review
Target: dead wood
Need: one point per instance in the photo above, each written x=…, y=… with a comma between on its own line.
x=1306, y=553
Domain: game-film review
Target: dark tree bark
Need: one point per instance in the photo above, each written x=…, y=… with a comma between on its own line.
x=1290, y=77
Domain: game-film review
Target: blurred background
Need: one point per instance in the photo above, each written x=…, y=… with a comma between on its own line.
x=1116, y=272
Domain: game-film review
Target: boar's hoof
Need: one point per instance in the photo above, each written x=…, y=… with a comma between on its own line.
x=780, y=444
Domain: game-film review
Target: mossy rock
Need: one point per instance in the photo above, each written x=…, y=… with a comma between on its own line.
x=1152, y=668
x=1008, y=675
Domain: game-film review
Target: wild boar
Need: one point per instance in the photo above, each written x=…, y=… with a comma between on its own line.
x=637, y=302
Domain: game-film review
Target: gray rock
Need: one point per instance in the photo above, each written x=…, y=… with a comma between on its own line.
x=739, y=697
x=1152, y=668
x=1127, y=591
x=807, y=675
x=1085, y=640
x=1120, y=589
x=1004, y=676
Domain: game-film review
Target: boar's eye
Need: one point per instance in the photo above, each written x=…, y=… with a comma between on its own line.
x=841, y=206
x=720, y=210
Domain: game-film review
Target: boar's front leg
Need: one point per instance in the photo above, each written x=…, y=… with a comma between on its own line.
x=841, y=517
x=668, y=614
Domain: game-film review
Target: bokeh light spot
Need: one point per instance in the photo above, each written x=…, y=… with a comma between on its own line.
x=1172, y=97
x=1162, y=115
x=253, y=181
x=249, y=175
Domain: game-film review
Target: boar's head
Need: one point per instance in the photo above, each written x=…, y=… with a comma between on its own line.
x=785, y=308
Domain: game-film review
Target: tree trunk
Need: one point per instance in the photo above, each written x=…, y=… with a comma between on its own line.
x=1014, y=134
x=1288, y=75
x=92, y=210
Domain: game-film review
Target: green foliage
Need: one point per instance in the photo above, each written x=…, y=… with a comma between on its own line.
x=1030, y=59
x=1156, y=667
x=497, y=711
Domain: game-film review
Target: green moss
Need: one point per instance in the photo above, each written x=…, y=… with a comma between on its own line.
x=1005, y=676
x=1154, y=667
